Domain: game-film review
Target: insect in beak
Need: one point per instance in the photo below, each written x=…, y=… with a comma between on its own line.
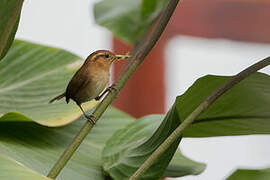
x=121, y=57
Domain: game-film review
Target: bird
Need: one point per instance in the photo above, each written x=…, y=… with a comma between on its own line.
x=91, y=79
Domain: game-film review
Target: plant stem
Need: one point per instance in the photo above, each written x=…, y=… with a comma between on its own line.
x=201, y=108
x=134, y=62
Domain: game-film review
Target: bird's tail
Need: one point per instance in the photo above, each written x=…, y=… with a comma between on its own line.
x=58, y=97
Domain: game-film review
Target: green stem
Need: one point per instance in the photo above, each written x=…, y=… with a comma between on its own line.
x=202, y=107
x=134, y=62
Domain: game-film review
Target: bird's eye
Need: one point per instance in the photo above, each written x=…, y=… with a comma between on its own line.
x=106, y=56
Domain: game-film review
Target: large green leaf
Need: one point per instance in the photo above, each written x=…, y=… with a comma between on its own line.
x=250, y=174
x=128, y=19
x=242, y=110
x=10, y=16
x=128, y=148
x=11, y=169
x=30, y=75
x=39, y=147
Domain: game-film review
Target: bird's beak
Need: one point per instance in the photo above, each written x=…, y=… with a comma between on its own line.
x=121, y=57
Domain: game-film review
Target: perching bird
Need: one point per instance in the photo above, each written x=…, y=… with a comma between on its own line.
x=91, y=79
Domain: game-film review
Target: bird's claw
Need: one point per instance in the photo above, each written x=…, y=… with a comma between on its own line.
x=112, y=87
x=109, y=89
x=91, y=119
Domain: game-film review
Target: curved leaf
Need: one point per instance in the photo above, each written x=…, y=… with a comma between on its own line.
x=129, y=147
x=30, y=76
x=128, y=19
x=11, y=169
x=10, y=11
x=250, y=174
x=182, y=166
x=242, y=110
x=39, y=147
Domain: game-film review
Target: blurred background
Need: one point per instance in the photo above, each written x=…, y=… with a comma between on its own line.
x=218, y=37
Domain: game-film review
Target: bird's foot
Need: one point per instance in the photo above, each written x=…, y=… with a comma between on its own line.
x=109, y=89
x=90, y=118
x=112, y=87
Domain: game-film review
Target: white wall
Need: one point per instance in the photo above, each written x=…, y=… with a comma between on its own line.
x=66, y=24
x=189, y=58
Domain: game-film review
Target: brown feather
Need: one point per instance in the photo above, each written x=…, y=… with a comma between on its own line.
x=78, y=81
x=57, y=98
x=91, y=79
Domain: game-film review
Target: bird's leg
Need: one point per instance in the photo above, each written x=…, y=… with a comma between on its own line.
x=100, y=96
x=112, y=87
x=109, y=89
x=90, y=118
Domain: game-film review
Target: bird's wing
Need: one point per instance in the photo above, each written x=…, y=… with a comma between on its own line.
x=78, y=81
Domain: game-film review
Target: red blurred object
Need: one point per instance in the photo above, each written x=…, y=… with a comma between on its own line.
x=144, y=93
x=238, y=20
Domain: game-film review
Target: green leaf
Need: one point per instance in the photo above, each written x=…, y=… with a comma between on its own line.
x=242, y=110
x=182, y=166
x=39, y=147
x=128, y=19
x=31, y=75
x=10, y=11
x=11, y=169
x=127, y=149
x=250, y=174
